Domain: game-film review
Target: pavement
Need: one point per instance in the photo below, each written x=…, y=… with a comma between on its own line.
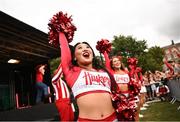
x=152, y=101
x=42, y=112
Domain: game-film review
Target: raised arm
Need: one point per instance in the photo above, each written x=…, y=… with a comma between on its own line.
x=65, y=53
x=107, y=61
x=169, y=66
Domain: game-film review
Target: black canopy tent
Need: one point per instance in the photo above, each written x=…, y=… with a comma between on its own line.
x=21, y=41
x=28, y=45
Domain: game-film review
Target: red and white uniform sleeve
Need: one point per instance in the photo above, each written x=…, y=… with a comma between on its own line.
x=68, y=71
x=65, y=53
x=62, y=97
x=60, y=87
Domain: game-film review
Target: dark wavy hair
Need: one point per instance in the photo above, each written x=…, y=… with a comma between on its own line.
x=96, y=62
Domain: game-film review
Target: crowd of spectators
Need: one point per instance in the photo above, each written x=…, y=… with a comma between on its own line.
x=157, y=84
x=154, y=80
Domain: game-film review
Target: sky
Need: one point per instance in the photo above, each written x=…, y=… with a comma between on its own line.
x=156, y=21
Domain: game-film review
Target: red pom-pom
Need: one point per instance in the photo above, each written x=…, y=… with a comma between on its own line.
x=135, y=80
x=132, y=61
x=124, y=106
x=60, y=23
x=103, y=45
x=134, y=87
x=138, y=69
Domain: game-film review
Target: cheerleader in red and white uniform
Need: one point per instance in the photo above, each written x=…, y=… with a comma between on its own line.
x=90, y=86
x=121, y=76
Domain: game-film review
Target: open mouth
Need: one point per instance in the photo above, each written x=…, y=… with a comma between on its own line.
x=117, y=65
x=86, y=54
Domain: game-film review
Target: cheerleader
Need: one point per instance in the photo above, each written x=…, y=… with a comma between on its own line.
x=121, y=76
x=90, y=86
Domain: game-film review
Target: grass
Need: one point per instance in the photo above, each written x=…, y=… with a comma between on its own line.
x=161, y=111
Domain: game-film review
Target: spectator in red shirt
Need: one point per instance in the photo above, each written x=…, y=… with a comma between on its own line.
x=42, y=88
x=162, y=91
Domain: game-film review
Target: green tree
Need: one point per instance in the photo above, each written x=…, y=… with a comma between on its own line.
x=152, y=60
x=131, y=47
x=128, y=46
x=54, y=63
x=157, y=54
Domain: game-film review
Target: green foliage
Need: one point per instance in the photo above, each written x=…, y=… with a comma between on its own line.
x=54, y=63
x=130, y=47
x=152, y=60
x=157, y=54
x=99, y=61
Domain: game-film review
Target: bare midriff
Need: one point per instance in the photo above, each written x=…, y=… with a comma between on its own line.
x=95, y=106
x=123, y=87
